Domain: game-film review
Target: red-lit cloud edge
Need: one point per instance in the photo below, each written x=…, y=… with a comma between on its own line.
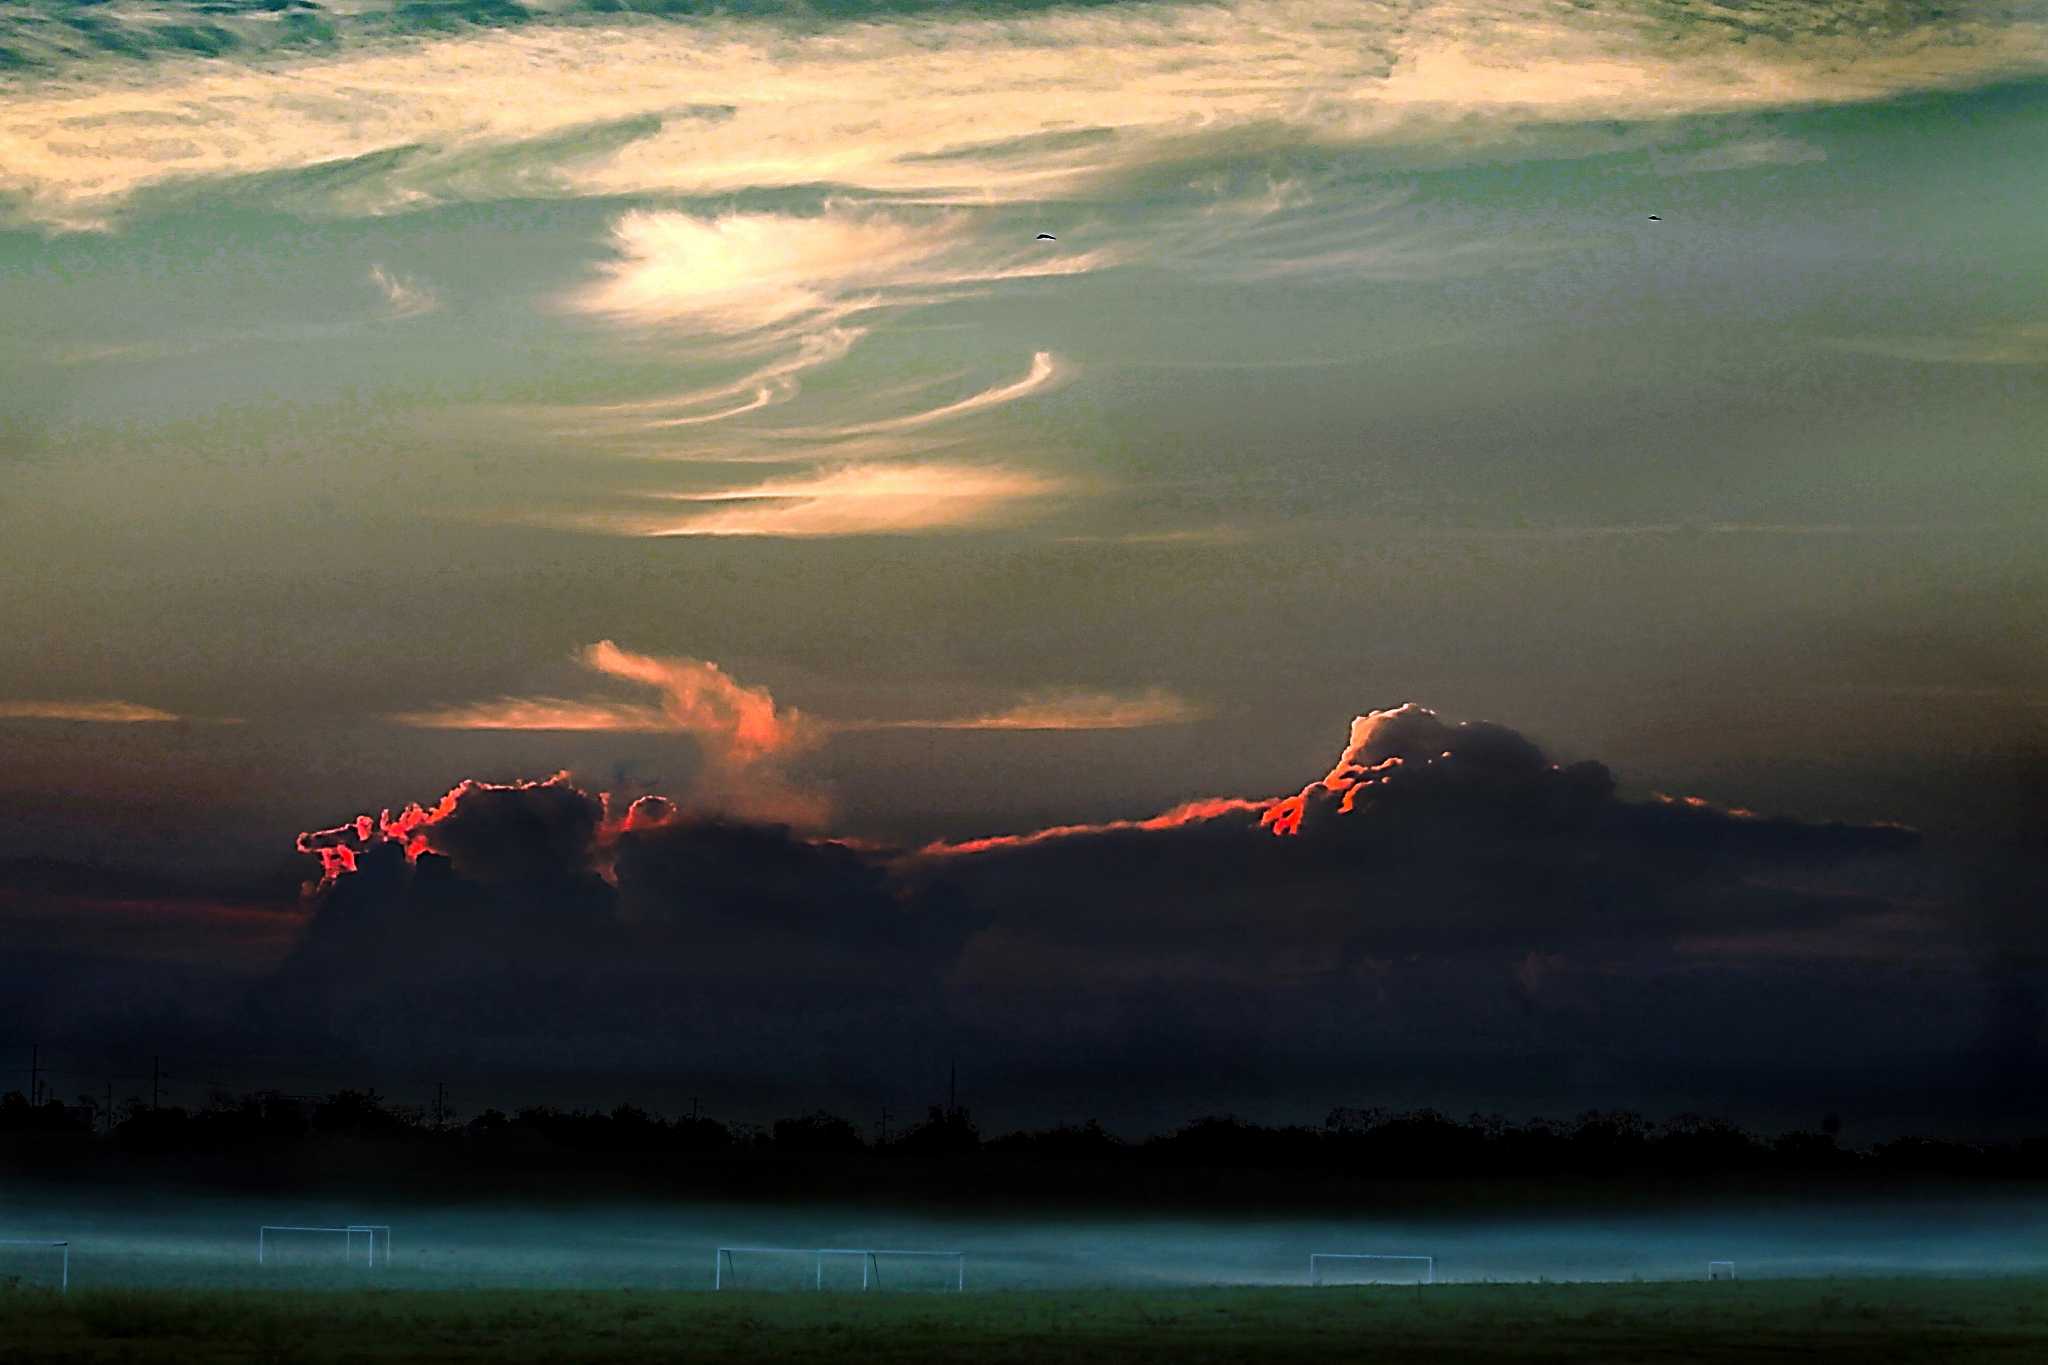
x=340, y=846
x=1370, y=761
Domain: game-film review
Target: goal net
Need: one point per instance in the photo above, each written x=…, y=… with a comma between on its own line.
x=1352, y=1267
x=855, y=1268
x=33, y=1263
x=1720, y=1270
x=296, y=1244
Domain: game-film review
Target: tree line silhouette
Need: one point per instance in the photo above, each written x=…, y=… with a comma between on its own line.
x=267, y=1137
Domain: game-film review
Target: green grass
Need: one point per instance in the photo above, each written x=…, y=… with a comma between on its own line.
x=1864, y=1321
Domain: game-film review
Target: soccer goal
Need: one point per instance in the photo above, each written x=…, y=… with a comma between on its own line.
x=294, y=1243
x=771, y=1268
x=39, y=1254
x=1720, y=1270
x=1352, y=1267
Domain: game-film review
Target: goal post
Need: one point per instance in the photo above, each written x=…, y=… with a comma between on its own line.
x=1374, y=1265
x=353, y=1235
x=62, y=1251
x=1720, y=1270
x=725, y=1263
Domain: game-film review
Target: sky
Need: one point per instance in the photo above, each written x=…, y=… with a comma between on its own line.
x=681, y=398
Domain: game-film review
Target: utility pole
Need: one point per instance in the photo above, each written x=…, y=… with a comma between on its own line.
x=693, y=1109
x=952, y=1087
x=35, y=1074
x=885, y=1125
x=156, y=1076
x=440, y=1104
x=107, y=1115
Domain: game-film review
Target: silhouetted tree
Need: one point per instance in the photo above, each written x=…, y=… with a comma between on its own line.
x=946, y=1131
x=817, y=1132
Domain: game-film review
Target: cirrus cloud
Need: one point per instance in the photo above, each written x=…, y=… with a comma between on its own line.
x=739, y=273
x=1067, y=710
x=952, y=109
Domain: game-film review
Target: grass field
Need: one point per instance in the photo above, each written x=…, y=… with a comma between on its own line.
x=1919, y=1320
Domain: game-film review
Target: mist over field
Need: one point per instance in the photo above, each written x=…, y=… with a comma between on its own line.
x=183, y=1241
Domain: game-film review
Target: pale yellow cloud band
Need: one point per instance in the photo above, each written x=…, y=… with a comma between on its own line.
x=967, y=110
x=877, y=499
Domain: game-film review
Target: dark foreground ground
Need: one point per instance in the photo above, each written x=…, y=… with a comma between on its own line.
x=1920, y=1320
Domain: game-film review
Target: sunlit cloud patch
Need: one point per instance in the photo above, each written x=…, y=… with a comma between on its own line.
x=871, y=499
x=742, y=273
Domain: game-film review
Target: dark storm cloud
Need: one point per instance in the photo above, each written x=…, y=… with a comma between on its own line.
x=1425, y=838
x=1446, y=907
x=533, y=926
x=1446, y=915
x=535, y=835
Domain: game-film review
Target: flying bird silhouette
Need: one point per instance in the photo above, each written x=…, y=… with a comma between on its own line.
x=1655, y=219
x=1047, y=237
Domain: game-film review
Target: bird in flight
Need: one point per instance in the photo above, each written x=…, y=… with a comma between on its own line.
x=1047, y=237
x=1655, y=219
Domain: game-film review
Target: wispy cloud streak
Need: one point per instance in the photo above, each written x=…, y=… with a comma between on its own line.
x=541, y=713
x=1067, y=710
x=946, y=109
x=1743, y=155
x=91, y=712
x=875, y=499
x=1046, y=371
x=738, y=274
x=403, y=297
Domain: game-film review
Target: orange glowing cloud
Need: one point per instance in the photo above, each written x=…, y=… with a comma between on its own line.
x=735, y=722
x=699, y=698
x=1381, y=744
x=870, y=499
x=742, y=733
x=741, y=726
x=92, y=712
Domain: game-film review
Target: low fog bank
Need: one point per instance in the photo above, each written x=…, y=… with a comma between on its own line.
x=131, y=1240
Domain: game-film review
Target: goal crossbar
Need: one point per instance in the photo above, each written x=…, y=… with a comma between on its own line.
x=723, y=1268
x=1720, y=1270
x=64, y=1281
x=349, y=1232
x=1316, y=1259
